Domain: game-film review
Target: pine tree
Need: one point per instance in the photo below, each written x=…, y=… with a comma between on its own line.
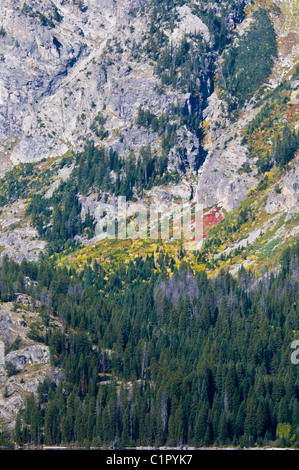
x=18, y=435
x=250, y=418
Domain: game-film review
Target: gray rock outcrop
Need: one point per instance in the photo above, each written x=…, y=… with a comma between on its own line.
x=285, y=197
x=24, y=363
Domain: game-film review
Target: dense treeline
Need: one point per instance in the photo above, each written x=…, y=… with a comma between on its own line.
x=21, y=181
x=281, y=152
x=286, y=146
x=58, y=218
x=272, y=136
x=155, y=359
x=249, y=62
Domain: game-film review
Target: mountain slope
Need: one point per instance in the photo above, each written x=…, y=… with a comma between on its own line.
x=202, y=137
x=165, y=103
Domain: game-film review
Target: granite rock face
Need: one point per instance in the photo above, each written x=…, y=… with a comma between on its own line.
x=53, y=78
x=219, y=179
x=64, y=63
x=24, y=363
x=285, y=197
x=61, y=64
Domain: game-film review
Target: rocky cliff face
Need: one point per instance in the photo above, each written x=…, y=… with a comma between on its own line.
x=62, y=64
x=75, y=71
x=72, y=71
x=219, y=179
x=24, y=362
x=53, y=72
x=287, y=197
x=65, y=63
